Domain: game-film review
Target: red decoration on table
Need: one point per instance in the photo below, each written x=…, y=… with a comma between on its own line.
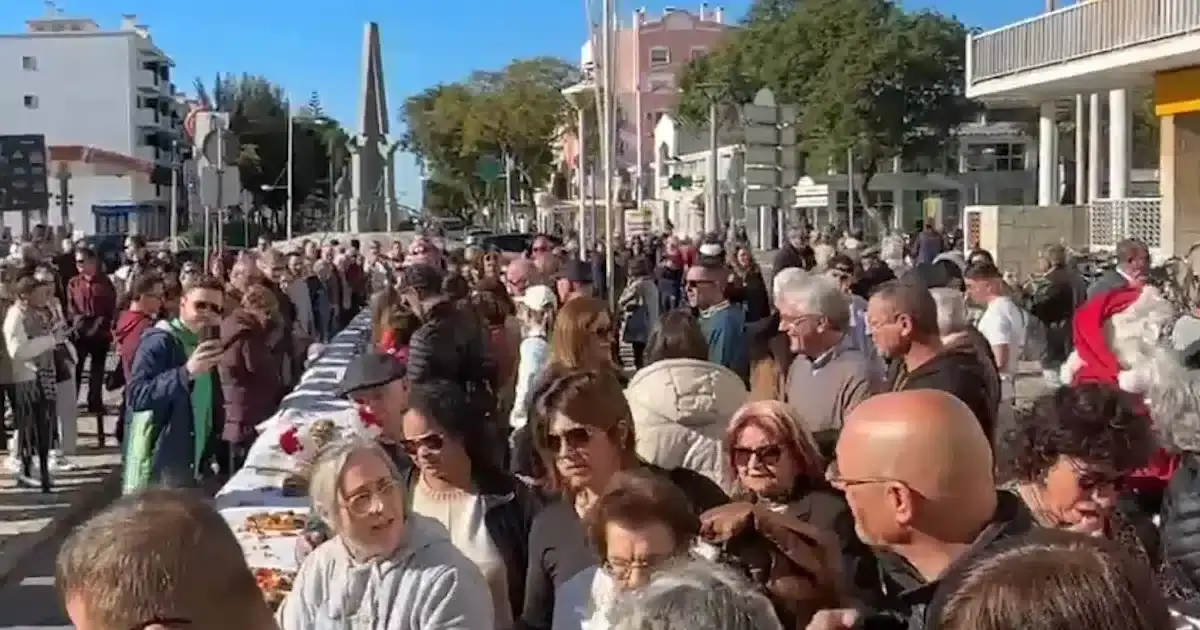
x=289, y=441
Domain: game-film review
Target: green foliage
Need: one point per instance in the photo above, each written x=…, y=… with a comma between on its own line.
x=518, y=110
x=258, y=112
x=866, y=76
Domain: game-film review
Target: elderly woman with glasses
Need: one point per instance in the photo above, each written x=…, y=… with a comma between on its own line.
x=385, y=568
x=1068, y=458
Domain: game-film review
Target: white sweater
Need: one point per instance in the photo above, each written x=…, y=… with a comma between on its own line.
x=426, y=585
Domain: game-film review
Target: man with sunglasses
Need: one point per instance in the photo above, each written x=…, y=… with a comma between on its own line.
x=172, y=399
x=92, y=307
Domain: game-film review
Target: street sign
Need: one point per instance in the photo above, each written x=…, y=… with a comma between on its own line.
x=810, y=194
x=231, y=148
x=679, y=182
x=489, y=169
x=23, y=173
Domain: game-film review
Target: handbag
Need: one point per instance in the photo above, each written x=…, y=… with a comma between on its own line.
x=115, y=378
x=63, y=369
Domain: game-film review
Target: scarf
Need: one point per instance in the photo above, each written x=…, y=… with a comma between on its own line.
x=37, y=324
x=203, y=390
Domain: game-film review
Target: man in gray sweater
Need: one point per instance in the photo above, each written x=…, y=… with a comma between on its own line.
x=830, y=375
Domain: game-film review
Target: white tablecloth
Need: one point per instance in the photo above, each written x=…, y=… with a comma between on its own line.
x=257, y=487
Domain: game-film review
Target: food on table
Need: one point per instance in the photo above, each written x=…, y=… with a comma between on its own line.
x=268, y=523
x=295, y=486
x=274, y=584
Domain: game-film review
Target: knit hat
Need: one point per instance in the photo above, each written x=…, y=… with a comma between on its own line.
x=1093, y=360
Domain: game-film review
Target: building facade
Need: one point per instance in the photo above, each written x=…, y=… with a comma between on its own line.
x=105, y=90
x=991, y=163
x=651, y=53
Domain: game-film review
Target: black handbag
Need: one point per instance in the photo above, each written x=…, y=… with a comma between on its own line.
x=115, y=378
x=62, y=364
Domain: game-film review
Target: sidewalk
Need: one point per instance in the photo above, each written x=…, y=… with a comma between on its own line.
x=29, y=518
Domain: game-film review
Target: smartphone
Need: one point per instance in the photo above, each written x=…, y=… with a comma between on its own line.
x=210, y=333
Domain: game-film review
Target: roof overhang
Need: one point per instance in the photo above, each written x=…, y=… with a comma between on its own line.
x=87, y=161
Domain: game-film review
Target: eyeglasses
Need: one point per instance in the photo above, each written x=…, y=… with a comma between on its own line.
x=202, y=305
x=1091, y=480
x=363, y=501
x=432, y=442
x=768, y=455
x=540, y=249
x=575, y=439
x=834, y=476
x=692, y=284
x=621, y=568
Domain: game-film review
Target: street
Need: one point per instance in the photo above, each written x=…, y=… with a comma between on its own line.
x=30, y=600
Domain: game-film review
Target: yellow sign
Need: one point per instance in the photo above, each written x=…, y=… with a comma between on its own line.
x=1177, y=91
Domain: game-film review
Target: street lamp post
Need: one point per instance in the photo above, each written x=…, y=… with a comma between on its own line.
x=577, y=95
x=713, y=92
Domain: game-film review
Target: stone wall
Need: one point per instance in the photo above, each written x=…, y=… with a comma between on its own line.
x=1015, y=234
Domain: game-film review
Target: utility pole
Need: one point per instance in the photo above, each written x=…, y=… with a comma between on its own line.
x=850, y=187
x=710, y=206
x=607, y=47
x=291, y=149
x=174, y=203
x=64, y=194
x=508, y=207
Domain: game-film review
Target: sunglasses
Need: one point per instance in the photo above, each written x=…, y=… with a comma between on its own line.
x=692, y=284
x=432, y=442
x=575, y=439
x=768, y=455
x=210, y=307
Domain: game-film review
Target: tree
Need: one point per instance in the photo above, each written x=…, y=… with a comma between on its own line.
x=314, y=109
x=454, y=129
x=258, y=114
x=866, y=77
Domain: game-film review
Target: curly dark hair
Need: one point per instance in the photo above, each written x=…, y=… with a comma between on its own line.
x=1093, y=423
x=447, y=405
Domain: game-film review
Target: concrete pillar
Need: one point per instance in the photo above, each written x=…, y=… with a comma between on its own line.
x=1093, y=147
x=1179, y=161
x=1047, y=158
x=1119, y=124
x=1080, y=183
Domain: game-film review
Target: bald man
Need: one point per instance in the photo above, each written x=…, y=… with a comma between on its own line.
x=917, y=472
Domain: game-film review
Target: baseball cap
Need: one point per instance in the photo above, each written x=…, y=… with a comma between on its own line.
x=371, y=370
x=538, y=297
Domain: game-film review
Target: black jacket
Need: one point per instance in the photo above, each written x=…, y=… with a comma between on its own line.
x=1180, y=526
x=791, y=256
x=959, y=371
x=904, y=600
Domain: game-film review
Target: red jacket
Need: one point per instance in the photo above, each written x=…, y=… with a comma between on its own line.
x=92, y=301
x=128, y=333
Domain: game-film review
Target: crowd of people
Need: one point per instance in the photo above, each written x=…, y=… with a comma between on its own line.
x=841, y=447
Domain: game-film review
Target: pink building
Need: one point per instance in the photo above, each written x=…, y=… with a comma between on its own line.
x=651, y=54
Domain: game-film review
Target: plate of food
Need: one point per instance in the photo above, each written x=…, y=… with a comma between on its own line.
x=282, y=523
x=275, y=585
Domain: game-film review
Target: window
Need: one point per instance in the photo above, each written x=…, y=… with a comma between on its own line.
x=698, y=52
x=1000, y=157
x=29, y=63
x=662, y=82
x=31, y=101
x=660, y=56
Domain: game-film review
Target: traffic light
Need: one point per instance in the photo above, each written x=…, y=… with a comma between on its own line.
x=678, y=182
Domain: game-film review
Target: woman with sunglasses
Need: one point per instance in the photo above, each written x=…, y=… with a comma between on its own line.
x=1068, y=456
x=485, y=511
x=780, y=470
x=385, y=567
x=583, y=433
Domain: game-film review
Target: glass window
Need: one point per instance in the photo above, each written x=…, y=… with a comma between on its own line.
x=31, y=101
x=29, y=63
x=997, y=157
x=698, y=52
x=660, y=55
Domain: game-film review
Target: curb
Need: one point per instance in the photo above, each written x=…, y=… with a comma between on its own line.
x=88, y=501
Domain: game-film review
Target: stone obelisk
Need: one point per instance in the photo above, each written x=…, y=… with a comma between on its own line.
x=370, y=179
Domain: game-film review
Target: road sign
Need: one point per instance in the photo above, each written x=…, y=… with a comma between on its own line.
x=679, y=182
x=23, y=173
x=810, y=194
x=231, y=147
x=489, y=169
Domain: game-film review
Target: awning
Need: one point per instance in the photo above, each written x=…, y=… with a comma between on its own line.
x=88, y=160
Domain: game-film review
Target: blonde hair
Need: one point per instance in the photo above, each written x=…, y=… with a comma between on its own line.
x=572, y=344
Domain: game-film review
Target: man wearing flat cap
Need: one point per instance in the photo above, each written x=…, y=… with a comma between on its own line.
x=377, y=383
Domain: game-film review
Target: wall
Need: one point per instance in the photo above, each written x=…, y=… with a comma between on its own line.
x=1015, y=234
x=83, y=87
x=1179, y=165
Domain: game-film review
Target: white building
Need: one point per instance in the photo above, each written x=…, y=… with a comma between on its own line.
x=1092, y=53
x=994, y=163
x=103, y=97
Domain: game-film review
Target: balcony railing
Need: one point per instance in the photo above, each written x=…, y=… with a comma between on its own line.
x=1075, y=32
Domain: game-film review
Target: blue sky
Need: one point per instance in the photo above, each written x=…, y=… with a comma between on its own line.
x=305, y=45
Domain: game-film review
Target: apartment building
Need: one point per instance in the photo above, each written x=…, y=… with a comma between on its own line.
x=96, y=92
x=651, y=53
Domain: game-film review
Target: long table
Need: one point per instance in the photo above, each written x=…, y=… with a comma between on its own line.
x=257, y=487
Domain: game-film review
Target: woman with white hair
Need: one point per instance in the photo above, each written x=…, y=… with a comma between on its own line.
x=693, y=595
x=385, y=568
